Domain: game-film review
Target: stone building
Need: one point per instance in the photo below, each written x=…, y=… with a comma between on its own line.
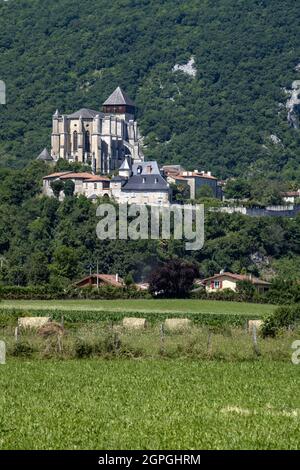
x=138, y=183
x=102, y=139
x=194, y=179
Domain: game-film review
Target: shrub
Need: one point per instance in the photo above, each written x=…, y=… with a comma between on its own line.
x=22, y=349
x=83, y=348
x=282, y=317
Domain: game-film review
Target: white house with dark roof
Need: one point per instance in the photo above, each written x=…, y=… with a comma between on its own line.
x=139, y=184
x=101, y=138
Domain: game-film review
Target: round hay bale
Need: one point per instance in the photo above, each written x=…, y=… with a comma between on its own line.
x=257, y=323
x=177, y=324
x=134, y=323
x=51, y=329
x=32, y=322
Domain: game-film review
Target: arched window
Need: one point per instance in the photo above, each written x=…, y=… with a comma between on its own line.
x=75, y=141
x=87, y=144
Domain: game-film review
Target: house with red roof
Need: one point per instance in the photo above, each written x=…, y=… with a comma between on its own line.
x=227, y=280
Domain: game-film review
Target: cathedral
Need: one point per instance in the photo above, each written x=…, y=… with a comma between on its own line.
x=104, y=139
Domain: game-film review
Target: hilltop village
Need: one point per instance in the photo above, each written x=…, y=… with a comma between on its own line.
x=109, y=141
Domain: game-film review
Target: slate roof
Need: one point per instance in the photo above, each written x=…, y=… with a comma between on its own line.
x=145, y=165
x=125, y=165
x=118, y=98
x=85, y=114
x=146, y=183
x=45, y=156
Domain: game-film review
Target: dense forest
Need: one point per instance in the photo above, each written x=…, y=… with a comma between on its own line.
x=229, y=116
x=44, y=241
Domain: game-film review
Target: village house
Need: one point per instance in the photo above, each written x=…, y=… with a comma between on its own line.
x=140, y=183
x=227, y=280
x=97, y=280
x=194, y=179
x=291, y=197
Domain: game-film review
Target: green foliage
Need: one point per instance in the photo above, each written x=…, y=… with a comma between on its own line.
x=284, y=291
x=57, y=186
x=73, y=317
x=204, y=192
x=245, y=55
x=246, y=290
x=69, y=188
x=284, y=316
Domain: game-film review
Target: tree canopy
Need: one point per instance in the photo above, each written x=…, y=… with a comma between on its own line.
x=230, y=117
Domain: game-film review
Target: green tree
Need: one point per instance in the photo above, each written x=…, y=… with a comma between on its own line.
x=57, y=186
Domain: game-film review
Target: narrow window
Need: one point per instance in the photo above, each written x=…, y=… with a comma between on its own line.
x=75, y=141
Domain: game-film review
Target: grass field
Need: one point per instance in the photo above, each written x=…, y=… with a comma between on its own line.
x=149, y=404
x=143, y=305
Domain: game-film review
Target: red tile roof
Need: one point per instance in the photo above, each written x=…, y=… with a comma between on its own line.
x=237, y=277
x=105, y=278
x=94, y=178
x=80, y=176
x=57, y=175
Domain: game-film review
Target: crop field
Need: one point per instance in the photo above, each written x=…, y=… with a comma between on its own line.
x=149, y=404
x=143, y=305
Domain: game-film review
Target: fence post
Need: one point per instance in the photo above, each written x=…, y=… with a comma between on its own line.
x=162, y=338
x=209, y=341
x=2, y=352
x=17, y=334
x=255, y=343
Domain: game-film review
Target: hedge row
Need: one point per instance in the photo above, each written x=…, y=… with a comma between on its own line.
x=48, y=293
x=91, y=316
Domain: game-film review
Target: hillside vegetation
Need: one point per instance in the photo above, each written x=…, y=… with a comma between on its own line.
x=68, y=54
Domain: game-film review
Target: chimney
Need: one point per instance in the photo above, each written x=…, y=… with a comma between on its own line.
x=117, y=277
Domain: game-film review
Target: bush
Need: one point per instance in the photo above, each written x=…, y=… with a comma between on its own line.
x=22, y=349
x=282, y=317
x=83, y=348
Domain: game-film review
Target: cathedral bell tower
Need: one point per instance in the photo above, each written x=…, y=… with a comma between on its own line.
x=120, y=105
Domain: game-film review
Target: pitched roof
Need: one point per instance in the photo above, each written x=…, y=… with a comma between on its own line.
x=146, y=168
x=95, y=178
x=85, y=113
x=146, y=183
x=57, y=175
x=118, y=98
x=75, y=176
x=106, y=278
x=203, y=175
x=238, y=277
x=125, y=165
x=45, y=156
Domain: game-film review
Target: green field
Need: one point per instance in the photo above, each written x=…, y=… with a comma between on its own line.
x=149, y=404
x=143, y=305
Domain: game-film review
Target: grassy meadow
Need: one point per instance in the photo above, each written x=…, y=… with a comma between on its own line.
x=149, y=404
x=143, y=305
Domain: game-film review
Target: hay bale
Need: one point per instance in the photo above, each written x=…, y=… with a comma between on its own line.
x=132, y=323
x=257, y=323
x=51, y=329
x=32, y=322
x=177, y=324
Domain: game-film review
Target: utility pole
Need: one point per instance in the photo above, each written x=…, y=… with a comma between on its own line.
x=97, y=273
